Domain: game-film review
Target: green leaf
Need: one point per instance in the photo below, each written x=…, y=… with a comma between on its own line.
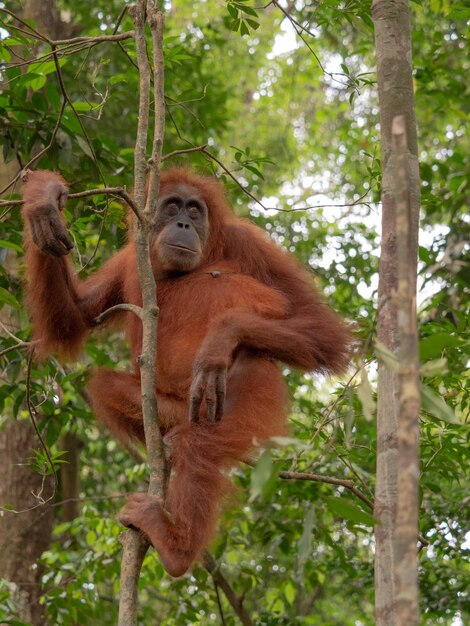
x=12, y=41
x=261, y=475
x=366, y=395
x=34, y=81
x=289, y=441
x=84, y=146
x=91, y=538
x=434, y=368
x=44, y=67
x=83, y=106
x=435, y=405
x=5, y=54
x=253, y=23
x=254, y=170
x=234, y=24
x=40, y=102
x=53, y=429
x=118, y=78
x=244, y=30
x=459, y=12
x=7, y=298
x=304, y=544
x=345, y=508
x=246, y=9
x=232, y=10
x=431, y=347
x=11, y=246
x=290, y=592
x=386, y=357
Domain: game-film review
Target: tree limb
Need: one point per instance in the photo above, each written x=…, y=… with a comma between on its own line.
x=220, y=581
x=134, y=544
x=132, y=308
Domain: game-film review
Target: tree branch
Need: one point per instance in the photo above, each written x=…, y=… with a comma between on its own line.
x=99, y=39
x=220, y=581
x=134, y=544
x=132, y=308
x=118, y=191
x=347, y=484
x=170, y=155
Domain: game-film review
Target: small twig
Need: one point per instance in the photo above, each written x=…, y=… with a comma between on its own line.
x=203, y=149
x=28, y=26
x=220, y=581
x=132, y=308
x=99, y=39
x=293, y=20
x=121, y=192
x=118, y=191
x=56, y=503
x=120, y=18
x=32, y=415
x=7, y=331
x=170, y=155
x=10, y=203
x=18, y=346
x=219, y=603
x=298, y=28
x=65, y=97
x=41, y=152
x=347, y=463
x=110, y=191
x=61, y=42
x=69, y=101
x=325, y=419
x=347, y=484
x=61, y=52
x=233, y=177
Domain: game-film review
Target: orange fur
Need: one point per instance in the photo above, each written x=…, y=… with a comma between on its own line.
x=247, y=304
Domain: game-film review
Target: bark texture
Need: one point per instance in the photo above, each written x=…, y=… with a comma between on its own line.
x=26, y=534
x=134, y=545
x=395, y=86
x=406, y=527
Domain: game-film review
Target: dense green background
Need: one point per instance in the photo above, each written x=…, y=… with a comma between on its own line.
x=296, y=121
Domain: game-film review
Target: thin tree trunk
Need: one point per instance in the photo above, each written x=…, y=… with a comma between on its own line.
x=395, y=86
x=406, y=527
x=25, y=534
x=134, y=546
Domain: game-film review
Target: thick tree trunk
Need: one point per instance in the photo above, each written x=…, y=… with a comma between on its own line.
x=395, y=85
x=46, y=17
x=26, y=534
